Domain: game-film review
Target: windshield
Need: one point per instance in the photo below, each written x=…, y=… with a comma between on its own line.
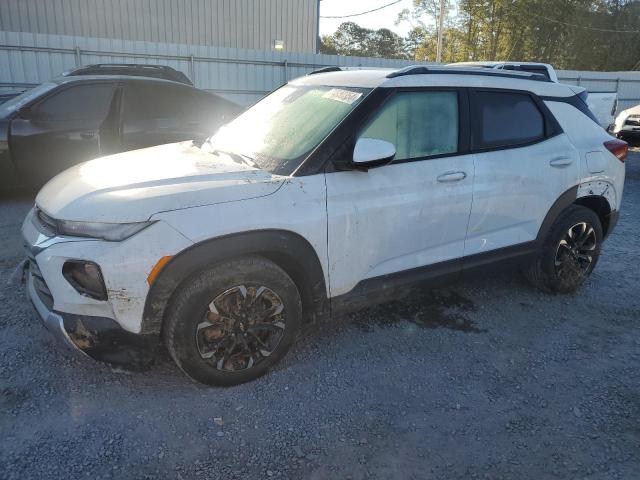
x=16, y=103
x=278, y=132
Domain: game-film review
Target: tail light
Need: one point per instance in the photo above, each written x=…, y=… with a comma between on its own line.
x=618, y=148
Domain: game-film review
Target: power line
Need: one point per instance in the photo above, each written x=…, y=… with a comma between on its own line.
x=582, y=26
x=361, y=13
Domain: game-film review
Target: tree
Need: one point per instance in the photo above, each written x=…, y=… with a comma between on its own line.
x=569, y=34
x=353, y=40
x=423, y=17
x=417, y=44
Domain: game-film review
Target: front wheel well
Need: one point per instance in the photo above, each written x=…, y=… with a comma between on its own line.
x=288, y=250
x=599, y=205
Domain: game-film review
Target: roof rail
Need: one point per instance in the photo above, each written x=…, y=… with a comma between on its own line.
x=444, y=70
x=153, y=71
x=325, y=70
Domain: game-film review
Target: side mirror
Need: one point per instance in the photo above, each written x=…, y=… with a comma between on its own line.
x=372, y=152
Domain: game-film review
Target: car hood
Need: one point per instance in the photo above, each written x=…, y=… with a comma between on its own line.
x=132, y=186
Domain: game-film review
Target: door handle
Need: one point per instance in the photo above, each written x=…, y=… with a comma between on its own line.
x=451, y=177
x=561, y=162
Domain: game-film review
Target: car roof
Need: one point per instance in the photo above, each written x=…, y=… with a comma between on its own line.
x=438, y=76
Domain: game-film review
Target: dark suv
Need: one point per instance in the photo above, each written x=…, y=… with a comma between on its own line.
x=72, y=119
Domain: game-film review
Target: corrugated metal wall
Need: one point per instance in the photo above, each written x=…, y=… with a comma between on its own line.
x=626, y=84
x=241, y=75
x=250, y=24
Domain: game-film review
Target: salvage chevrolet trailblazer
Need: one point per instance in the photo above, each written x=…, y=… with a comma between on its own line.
x=338, y=190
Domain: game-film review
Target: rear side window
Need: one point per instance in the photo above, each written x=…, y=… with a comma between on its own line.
x=159, y=106
x=419, y=124
x=507, y=119
x=528, y=68
x=540, y=71
x=79, y=102
x=147, y=105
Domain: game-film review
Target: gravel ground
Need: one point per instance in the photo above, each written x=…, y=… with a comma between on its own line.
x=488, y=379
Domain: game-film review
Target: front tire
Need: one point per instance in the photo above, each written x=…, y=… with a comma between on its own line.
x=229, y=324
x=569, y=252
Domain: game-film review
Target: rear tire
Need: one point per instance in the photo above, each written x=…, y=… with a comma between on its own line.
x=569, y=252
x=229, y=324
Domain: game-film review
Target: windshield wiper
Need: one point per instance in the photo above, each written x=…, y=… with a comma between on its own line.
x=238, y=158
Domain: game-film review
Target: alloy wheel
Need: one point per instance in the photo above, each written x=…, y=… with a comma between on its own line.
x=576, y=251
x=241, y=327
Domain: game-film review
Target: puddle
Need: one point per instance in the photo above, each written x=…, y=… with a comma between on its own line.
x=426, y=309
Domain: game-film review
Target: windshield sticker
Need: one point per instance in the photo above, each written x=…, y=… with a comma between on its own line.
x=344, y=96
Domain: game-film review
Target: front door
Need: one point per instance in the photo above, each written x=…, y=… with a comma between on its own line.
x=411, y=213
x=65, y=128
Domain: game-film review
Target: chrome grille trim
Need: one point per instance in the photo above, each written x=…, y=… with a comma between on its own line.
x=44, y=223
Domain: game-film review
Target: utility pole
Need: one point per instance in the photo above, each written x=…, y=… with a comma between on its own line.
x=440, y=32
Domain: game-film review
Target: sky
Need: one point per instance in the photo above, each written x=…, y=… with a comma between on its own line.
x=384, y=18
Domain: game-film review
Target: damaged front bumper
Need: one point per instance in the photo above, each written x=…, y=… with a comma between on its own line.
x=53, y=321
x=104, y=329
x=97, y=337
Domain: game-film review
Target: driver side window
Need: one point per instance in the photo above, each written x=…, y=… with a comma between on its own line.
x=78, y=102
x=419, y=124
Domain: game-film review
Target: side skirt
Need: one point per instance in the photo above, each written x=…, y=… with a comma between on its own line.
x=502, y=259
x=377, y=290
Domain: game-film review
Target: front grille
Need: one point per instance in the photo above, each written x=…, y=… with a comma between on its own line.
x=40, y=285
x=44, y=223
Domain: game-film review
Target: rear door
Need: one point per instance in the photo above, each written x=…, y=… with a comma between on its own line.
x=67, y=127
x=413, y=212
x=523, y=163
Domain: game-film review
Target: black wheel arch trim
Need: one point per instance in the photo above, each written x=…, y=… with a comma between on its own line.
x=289, y=250
x=570, y=197
x=564, y=201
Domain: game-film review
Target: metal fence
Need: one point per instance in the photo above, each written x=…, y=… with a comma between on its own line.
x=626, y=84
x=244, y=76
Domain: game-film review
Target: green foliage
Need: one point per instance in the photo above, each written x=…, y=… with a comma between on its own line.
x=570, y=34
x=354, y=40
x=561, y=32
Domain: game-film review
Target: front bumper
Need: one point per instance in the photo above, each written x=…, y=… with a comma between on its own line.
x=99, y=338
x=53, y=321
x=629, y=133
x=125, y=267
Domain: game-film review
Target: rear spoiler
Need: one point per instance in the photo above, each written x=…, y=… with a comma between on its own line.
x=579, y=101
x=581, y=92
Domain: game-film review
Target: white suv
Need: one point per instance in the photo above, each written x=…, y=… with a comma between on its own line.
x=334, y=192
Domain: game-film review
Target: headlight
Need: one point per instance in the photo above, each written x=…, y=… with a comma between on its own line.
x=112, y=232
